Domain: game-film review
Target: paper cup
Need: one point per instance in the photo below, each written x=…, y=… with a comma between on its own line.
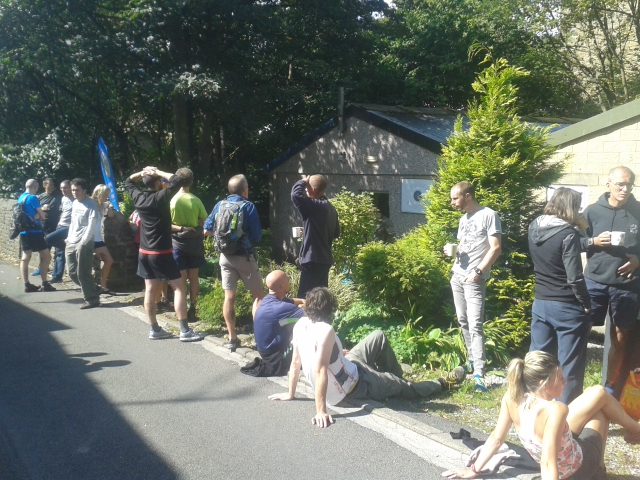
x=450, y=249
x=297, y=232
x=617, y=238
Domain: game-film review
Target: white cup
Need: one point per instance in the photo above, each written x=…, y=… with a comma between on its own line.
x=450, y=249
x=617, y=238
x=297, y=232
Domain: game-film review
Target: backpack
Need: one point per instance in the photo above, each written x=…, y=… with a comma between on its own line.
x=228, y=233
x=22, y=222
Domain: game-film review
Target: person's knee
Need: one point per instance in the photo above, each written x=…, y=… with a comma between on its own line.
x=596, y=391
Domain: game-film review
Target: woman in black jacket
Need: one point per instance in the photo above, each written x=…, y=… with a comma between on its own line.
x=560, y=314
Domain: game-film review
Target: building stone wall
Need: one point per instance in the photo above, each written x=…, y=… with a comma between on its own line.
x=343, y=160
x=589, y=159
x=117, y=235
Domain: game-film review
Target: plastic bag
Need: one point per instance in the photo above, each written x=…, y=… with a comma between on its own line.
x=630, y=397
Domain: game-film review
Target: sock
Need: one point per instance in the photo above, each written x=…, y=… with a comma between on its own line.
x=155, y=327
x=184, y=326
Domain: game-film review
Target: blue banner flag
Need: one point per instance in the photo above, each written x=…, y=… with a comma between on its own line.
x=107, y=173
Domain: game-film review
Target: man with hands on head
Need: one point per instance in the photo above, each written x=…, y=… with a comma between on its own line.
x=369, y=370
x=155, y=258
x=611, y=272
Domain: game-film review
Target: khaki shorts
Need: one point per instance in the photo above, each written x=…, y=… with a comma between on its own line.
x=238, y=267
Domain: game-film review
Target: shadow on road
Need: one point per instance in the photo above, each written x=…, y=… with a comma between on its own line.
x=54, y=423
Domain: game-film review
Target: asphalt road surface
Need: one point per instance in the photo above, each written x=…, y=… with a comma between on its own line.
x=85, y=395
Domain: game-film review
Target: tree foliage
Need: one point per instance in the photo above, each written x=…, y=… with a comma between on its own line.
x=508, y=161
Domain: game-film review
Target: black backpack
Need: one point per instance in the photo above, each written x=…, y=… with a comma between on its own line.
x=228, y=231
x=22, y=222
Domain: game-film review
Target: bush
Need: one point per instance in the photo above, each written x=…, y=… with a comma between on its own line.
x=406, y=277
x=358, y=218
x=211, y=300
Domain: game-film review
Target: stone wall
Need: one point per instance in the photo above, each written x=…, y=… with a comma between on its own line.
x=117, y=235
x=589, y=159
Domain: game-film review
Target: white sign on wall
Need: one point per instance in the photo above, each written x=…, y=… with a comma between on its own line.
x=412, y=193
x=581, y=189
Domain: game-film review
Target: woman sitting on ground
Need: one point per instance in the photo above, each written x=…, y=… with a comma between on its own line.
x=105, y=209
x=567, y=441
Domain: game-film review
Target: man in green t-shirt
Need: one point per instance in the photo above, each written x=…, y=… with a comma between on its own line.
x=187, y=218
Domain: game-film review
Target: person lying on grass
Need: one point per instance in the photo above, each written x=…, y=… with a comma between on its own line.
x=567, y=441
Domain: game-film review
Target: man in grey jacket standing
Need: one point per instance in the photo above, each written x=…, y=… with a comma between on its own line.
x=612, y=263
x=79, y=249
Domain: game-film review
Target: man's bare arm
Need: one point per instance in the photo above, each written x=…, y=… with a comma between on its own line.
x=294, y=375
x=323, y=356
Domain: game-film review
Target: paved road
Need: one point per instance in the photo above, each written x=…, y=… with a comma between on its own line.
x=85, y=394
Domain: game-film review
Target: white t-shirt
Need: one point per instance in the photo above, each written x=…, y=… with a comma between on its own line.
x=65, y=216
x=84, y=216
x=473, y=234
x=342, y=374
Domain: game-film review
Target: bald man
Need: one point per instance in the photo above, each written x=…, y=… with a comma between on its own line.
x=33, y=240
x=273, y=320
x=321, y=228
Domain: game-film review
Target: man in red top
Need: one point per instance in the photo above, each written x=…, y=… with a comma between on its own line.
x=155, y=259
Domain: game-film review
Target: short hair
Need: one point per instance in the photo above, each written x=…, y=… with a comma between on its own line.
x=47, y=181
x=565, y=204
x=464, y=188
x=31, y=183
x=320, y=304
x=622, y=168
x=238, y=184
x=65, y=182
x=186, y=177
x=80, y=182
x=150, y=181
x=319, y=183
x=531, y=374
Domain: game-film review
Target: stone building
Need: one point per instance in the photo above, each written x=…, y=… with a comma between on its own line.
x=389, y=151
x=594, y=146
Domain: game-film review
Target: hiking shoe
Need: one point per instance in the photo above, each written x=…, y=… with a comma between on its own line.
x=480, y=385
x=47, y=287
x=30, y=287
x=88, y=305
x=191, y=314
x=454, y=377
x=468, y=367
x=153, y=335
x=232, y=344
x=190, y=336
x=36, y=272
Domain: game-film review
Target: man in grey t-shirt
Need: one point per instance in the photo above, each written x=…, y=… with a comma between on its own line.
x=479, y=234
x=79, y=249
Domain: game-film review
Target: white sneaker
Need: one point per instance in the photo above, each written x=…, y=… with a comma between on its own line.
x=153, y=335
x=190, y=336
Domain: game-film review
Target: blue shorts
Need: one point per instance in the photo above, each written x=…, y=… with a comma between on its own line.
x=158, y=267
x=187, y=261
x=622, y=304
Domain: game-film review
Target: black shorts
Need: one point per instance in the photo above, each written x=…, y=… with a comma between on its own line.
x=98, y=245
x=33, y=242
x=591, y=443
x=158, y=267
x=187, y=261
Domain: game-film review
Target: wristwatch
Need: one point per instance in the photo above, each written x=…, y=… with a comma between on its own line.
x=590, y=242
x=477, y=270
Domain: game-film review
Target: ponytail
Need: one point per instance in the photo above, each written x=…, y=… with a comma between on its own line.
x=528, y=375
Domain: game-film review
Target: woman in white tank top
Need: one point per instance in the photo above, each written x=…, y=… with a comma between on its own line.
x=567, y=441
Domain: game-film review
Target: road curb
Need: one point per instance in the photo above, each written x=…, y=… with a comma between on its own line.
x=457, y=451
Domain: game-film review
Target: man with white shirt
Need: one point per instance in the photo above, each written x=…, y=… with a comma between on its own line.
x=369, y=370
x=80, y=244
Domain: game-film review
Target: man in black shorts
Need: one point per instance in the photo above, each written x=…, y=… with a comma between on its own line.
x=155, y=259
x=33, y=240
